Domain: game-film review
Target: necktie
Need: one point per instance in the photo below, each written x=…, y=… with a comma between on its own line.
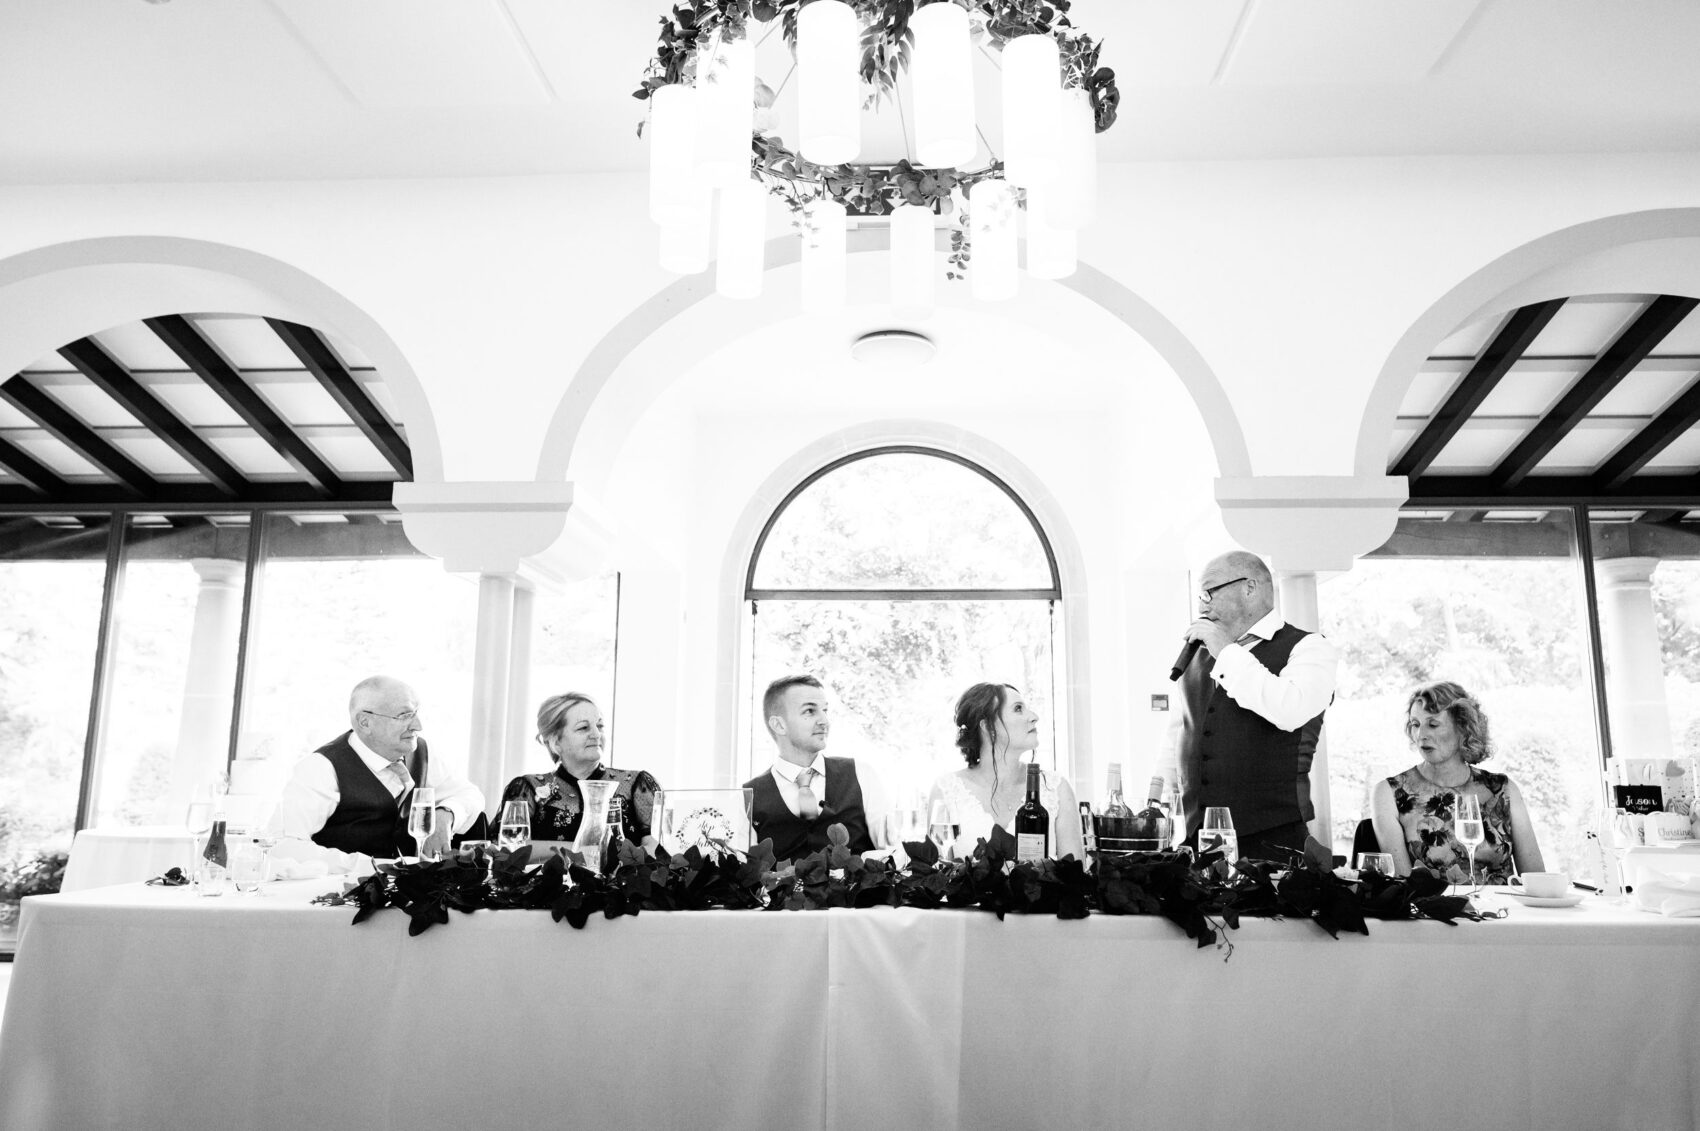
x=808, y=805
x=399, y=772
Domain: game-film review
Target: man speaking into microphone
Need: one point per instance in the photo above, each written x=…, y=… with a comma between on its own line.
x=1253, y=692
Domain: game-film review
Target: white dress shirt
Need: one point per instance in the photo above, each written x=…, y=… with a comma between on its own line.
x=311, y=796
x=1302, y=690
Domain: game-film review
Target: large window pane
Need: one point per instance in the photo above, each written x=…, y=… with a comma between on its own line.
x=341, y=598
x=1647, y=578
x=52, y=578
x=894, y=670
x=1493, y=601
x=166, y=723
x=902, y=521
x=572, y=649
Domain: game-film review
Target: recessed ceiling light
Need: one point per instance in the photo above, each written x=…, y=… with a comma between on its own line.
x=893, y=347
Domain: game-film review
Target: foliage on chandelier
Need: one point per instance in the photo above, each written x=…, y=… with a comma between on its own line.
x=887, y=41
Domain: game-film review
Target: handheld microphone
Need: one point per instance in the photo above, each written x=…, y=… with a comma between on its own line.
x=1184, y=660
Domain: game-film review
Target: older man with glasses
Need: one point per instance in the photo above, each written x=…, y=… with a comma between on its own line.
x=347, y=801
x=1250, y=711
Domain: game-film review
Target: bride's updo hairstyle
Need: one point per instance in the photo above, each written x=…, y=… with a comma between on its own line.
x=979, y=706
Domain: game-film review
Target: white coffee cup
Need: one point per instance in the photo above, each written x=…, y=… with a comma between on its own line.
x=1543, y=885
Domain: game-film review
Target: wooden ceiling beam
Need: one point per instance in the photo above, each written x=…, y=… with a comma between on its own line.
x=1513, y=340
x=1650, y=327
x=1627, y=462
x=211, y=366
x=113, y=379
x=63, y=425
x=39, y=479
x=321, y=361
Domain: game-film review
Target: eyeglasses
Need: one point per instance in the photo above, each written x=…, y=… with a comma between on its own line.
x=404, y=718
x=1206, y=596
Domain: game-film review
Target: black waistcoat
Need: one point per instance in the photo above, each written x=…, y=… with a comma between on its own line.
x=366, y=818
x=1235, y=757
x=791, y=835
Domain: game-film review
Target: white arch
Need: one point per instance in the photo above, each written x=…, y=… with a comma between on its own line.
x=1653, y=251
x=53, y=295
x=568, y=452
x=1047, y=510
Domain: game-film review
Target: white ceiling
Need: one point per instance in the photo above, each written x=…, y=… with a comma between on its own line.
x=124, y=90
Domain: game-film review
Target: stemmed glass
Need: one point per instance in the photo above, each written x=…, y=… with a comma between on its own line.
x=942, y=828
x=1217, y=834
x=198, y=819
x=515, y=829
x=422, y=818
x=1467, y=826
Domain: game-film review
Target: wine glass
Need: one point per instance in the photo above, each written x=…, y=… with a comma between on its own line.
x=422, y=818
x=942, y=828
x=1467, y=825
x=198, y=820
x=1217, y=834
x=266, y=836
x=515, y=828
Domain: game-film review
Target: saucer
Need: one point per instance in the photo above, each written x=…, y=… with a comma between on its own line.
x=1526, y=900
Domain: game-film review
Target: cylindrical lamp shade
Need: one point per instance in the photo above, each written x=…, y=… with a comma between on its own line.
x=943, y=82
x=685, y=239
x=829, y=94
x=991, y=219
x=1052, y=252
x=825, y=235
x=1032, y=89
x=674, y=189
x=726, y=93
x=1074, y=202
x=912, y=261
x=741, y=241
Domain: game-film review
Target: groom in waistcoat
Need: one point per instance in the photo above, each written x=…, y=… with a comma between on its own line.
x=1251, y=710
x=805, y=793
x=350, y=797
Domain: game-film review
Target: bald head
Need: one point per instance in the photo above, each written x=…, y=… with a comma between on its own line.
x=1240, y=591
x=384, y=712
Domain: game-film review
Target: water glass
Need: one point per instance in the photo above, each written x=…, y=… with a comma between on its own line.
x=1378, y=862
x=422, y=818
x=1217, y=834
x=515, y=828
x=247, y=866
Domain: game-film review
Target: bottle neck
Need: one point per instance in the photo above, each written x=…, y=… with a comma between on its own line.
x=1033, y=782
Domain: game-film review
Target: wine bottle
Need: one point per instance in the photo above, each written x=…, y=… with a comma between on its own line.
x=1151, y=828
x=1116, y=806
x=1032, y=823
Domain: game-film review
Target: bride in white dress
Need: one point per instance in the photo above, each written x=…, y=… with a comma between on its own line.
x=994, y=728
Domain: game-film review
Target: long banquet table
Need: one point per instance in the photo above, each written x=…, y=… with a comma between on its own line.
x=140, y=1007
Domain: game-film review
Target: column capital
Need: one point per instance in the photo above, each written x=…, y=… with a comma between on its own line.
x=1625, y=572
x=515, y=528
x=218, y=571
x=1311, y=523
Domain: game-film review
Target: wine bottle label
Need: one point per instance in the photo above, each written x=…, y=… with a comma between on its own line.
x=1029, y=847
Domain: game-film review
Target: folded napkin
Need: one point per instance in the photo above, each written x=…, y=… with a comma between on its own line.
x=284, y=868
x=1672, y=897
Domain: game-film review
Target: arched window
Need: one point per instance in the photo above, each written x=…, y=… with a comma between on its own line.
x=900, y=576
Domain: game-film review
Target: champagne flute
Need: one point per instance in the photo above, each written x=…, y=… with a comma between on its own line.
x=515, y=829
x=942, y=828
x=198, y=820
x=1467, y=826
x=422, y=818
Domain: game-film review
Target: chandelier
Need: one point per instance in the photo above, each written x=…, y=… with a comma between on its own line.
x=716, y=157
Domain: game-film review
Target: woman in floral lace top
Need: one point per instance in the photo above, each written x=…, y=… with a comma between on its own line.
x=570, y=727
x=1413, y=810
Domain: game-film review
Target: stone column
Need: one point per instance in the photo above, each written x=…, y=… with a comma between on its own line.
x=203, y=729
x=522, y=704
x=1635, y=669
x=491, y=657
x=1298, y=606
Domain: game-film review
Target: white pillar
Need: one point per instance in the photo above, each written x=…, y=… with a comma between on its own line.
x=203, y=729
x=492, y=650
x=1635, y=669
x=521, y=707
x=1297, y=589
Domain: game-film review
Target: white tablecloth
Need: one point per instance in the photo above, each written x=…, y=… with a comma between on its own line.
x=144, y=1007
x=100, y=857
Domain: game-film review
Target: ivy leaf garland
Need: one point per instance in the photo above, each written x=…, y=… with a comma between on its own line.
x=1204, y=896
